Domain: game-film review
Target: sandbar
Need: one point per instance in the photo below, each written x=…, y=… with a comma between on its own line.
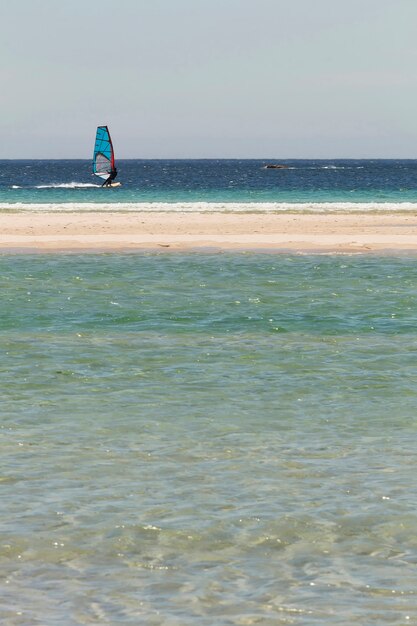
x=185, y=231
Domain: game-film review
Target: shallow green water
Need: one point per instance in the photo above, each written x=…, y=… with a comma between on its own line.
x=208, y=439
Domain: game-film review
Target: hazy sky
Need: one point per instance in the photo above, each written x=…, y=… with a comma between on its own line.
x=209, y=78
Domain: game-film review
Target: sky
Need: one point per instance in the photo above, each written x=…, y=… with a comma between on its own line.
x=209, y=78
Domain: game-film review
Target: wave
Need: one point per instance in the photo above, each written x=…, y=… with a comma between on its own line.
x=335, y=167
x=72, y=185
x=214, y=207
x=317, y=167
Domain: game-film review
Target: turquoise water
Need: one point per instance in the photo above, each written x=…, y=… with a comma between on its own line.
x=222, y=439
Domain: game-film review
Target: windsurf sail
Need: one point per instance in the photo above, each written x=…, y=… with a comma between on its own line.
x=103, y=159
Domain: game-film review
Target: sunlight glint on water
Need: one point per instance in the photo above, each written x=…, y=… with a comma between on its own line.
x=223, y=439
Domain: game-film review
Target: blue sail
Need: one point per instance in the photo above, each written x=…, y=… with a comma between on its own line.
x=103, y=158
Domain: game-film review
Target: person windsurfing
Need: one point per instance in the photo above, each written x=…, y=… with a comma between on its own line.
x=110, y=179
x=103, y=157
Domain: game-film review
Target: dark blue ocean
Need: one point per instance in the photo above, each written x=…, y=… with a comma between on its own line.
x=310, y=185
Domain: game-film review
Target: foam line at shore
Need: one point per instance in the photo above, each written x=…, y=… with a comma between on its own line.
x=215, y=207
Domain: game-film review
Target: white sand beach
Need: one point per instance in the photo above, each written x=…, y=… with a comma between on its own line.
x=97, y=231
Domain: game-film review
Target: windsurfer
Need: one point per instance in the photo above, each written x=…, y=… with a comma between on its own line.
x=110, y=179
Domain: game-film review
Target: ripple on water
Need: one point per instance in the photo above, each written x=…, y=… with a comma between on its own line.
x=178, y=462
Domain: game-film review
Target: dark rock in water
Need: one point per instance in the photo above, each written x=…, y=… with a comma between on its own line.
x=277, y=166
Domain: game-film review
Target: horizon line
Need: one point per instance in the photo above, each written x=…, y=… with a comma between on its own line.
x=217, y=158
